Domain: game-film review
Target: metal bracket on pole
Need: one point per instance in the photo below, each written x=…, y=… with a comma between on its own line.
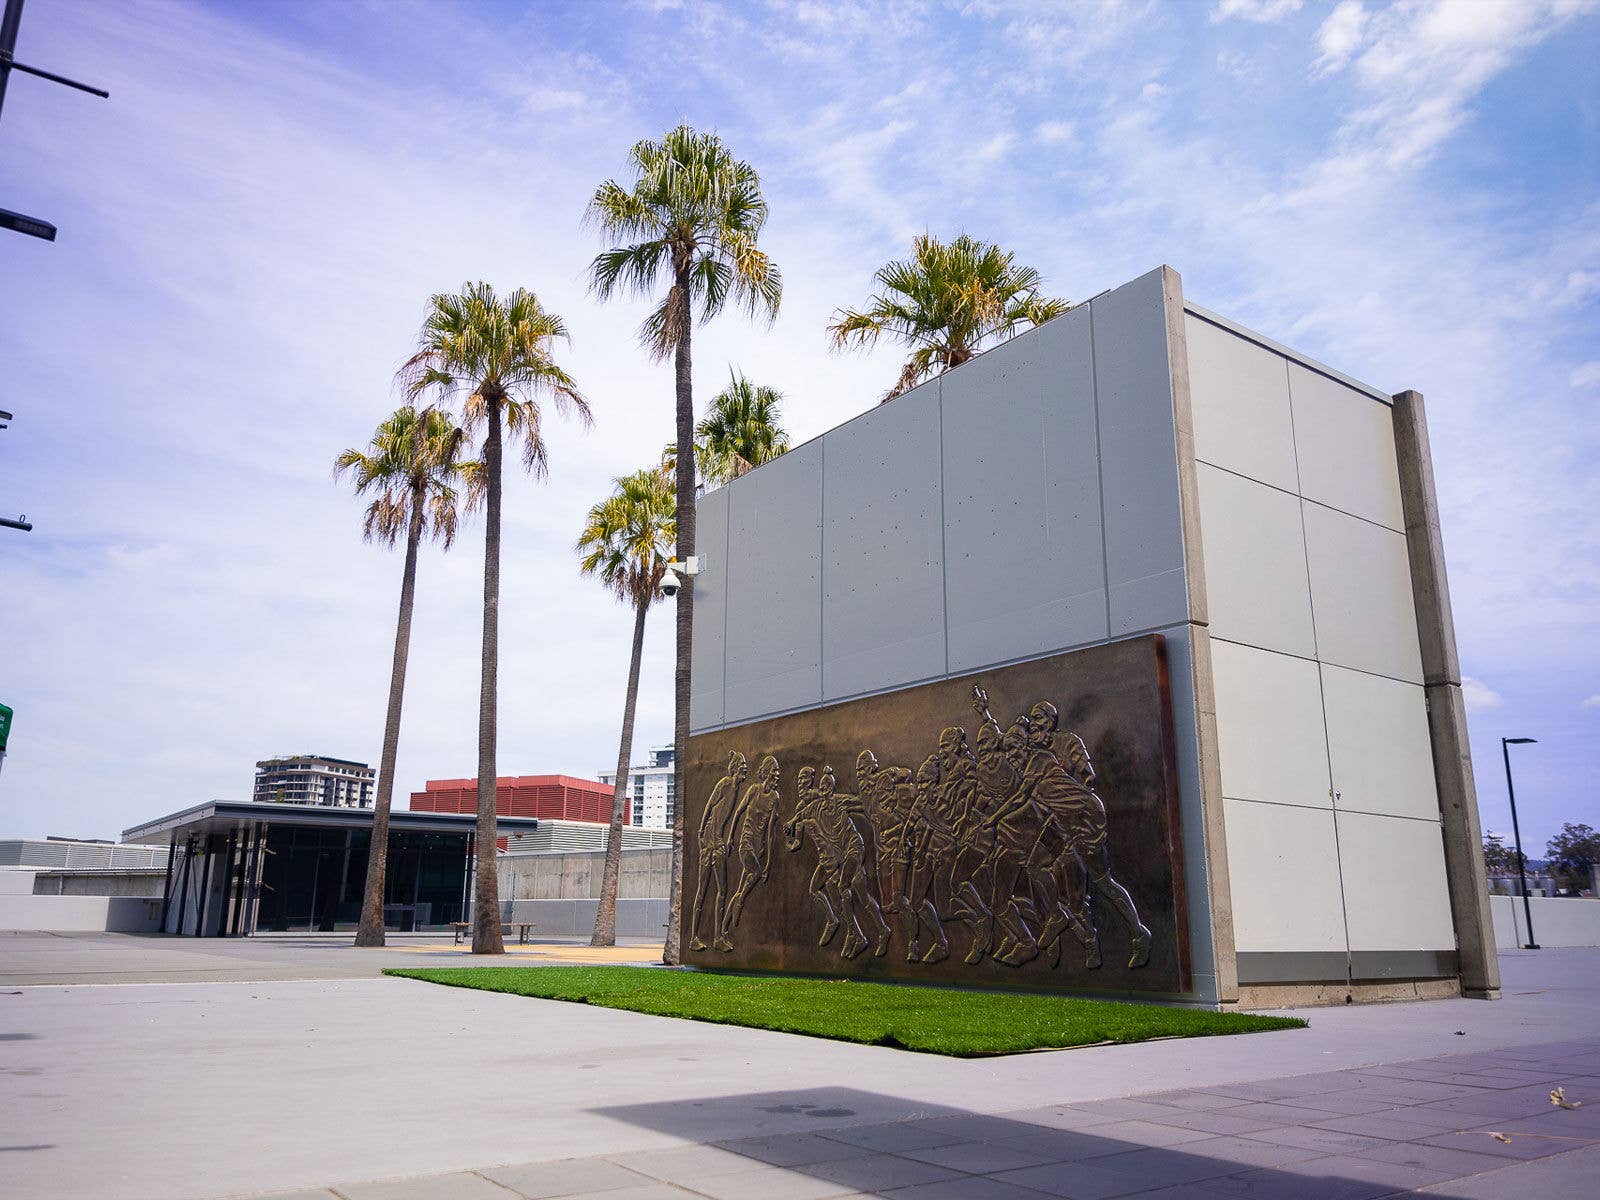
x=9, y=23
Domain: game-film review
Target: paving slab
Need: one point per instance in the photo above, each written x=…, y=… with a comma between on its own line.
x=966, y=1188
x=794, y=1149
x=458, y=1185
x=771, y=1183
x=153, y=1078
x=539, y=1181
x=1333, y=1178
x=882, y=1172
x=981, y=1158
x=1568, y=1175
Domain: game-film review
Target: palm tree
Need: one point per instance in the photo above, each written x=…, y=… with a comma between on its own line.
x=496, y=354
x=741, y=430
x=946, y=301
x=626, y=543
x=411, y=466
x=695, y=212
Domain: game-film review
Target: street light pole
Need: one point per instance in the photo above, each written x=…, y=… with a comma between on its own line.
x=8, y=42
x=9, y=23
x=6, y=522
x=1522, y=869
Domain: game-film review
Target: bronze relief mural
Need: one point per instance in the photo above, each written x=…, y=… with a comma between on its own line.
x=1017, y=825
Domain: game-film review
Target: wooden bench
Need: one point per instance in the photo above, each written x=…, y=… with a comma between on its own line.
x=464, y=929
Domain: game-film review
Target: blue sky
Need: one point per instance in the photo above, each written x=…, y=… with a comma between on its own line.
x=250, y=226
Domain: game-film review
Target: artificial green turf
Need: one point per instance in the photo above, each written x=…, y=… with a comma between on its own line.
x=931, y=1019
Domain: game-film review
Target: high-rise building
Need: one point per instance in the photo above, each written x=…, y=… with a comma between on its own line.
x=652, y=788
x=314, y=779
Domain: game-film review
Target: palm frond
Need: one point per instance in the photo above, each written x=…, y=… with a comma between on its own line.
x=741, y=430
x=411, y=464
x=499, y=351
x=946, y=301
x=627, y=538
x=696, y=210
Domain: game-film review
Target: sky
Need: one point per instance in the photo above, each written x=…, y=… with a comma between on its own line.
x=251, y=226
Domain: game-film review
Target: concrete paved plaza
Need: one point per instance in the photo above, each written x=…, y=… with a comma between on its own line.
x=372, y=1088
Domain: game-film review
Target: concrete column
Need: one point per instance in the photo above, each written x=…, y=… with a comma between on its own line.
x=1447, y=711
x=1225, y=961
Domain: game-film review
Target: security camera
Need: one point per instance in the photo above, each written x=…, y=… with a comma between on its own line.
x=670, y=583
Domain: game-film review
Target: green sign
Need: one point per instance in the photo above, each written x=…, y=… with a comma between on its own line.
x=5, y=726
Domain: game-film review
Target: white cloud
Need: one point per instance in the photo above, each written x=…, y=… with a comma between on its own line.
x=1263, y=12
x=1581, y=286
x=995, y=148
x=1479, y=696
x=1341, y=35
x=1236, y=64
x=1592, y=701
x=1054, y=133
x=546, y=99
x=1585, y=376
x=1421, y=65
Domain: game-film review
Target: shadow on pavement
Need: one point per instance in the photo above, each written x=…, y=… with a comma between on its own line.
x=1167, y=1144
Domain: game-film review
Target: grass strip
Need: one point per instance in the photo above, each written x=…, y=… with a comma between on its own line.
x=933, y=1020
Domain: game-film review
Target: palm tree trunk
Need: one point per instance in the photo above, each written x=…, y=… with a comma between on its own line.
x=605, y=918
x=680, y=680
x=370, y=931
x=486, y=899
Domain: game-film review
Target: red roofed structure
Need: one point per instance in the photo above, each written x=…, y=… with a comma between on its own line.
x=548, y=797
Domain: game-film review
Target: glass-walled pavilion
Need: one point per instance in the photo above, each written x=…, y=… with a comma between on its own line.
x=243, y=868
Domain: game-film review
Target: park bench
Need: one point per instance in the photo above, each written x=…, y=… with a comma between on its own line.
x=510, y=918
x=464, y=929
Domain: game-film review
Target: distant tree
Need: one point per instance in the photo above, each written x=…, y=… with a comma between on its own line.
x=625, y=544
x=496, y=355
x=740, y=431
x=692, y=213
x=1498, y=858
x=945, y=302
x=411, y=469
x=1572, y=854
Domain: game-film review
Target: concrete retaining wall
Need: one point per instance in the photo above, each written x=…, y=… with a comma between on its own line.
x=79, y=914
x=575, y=918
x=1557, y=921
x=646, y=875
x=99, y=883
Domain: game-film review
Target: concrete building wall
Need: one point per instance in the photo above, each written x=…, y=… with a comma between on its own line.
x=646, y=874
x=79, y=914
x=637, y=917
x=99, y=883
x=1557, y=921
x=1332, y=810
x=1140, y=465
x=1025, y=503
x=1022, y=504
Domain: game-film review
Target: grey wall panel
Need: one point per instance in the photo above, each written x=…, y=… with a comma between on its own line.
x=1025, y=563
x=774, y=623
x=882, y=558
x=710, y=610
x=1138, y=458
x=1346, y=449
x=1271, y=735
x=1378, y=745
x=1239, y=392
x=1256, y=578
x=1361, y=594
x=1283, y=863
x=1395, y=893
